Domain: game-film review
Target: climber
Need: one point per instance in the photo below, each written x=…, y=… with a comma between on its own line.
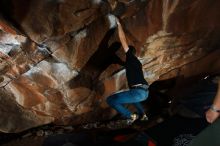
x=138, y=86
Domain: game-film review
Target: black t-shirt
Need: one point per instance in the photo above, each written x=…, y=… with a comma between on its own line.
x=134, y=71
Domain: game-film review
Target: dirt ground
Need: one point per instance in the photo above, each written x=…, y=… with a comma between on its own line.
x=29, y=141
x=35, y=140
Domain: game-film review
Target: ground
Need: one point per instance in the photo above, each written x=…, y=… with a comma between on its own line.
x=36, y=137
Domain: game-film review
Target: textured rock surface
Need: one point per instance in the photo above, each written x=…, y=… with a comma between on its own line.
x=56, y=55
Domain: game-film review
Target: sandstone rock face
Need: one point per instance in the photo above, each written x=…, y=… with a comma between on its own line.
x=56, y=56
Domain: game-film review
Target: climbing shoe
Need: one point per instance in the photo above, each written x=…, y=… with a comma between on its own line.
x=143, y=118
x=131, y=120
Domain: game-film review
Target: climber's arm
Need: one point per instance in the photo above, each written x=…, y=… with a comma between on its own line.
x=122, y=37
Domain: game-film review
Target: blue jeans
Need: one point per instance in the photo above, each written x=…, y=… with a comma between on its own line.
x=132, y=96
